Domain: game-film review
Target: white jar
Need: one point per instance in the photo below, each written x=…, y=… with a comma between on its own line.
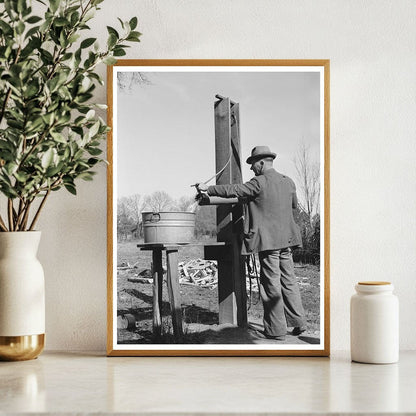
x=374, y=323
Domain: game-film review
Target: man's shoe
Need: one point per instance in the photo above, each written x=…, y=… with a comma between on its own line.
x=297, y=330
x=262, y=334
x=275, y=337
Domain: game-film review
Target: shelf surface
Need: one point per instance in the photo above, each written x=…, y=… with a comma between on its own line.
x=86, y=383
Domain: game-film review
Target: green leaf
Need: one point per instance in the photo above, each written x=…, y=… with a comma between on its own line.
x=70, y=188
x=8, y=191
x=21, y=5
x=46, y=56
x=110, y=60
x=48, y=118
x=5, y=28
x=53, y=83
x=73, y=38
x=92, y=161
x=86, y=176
x=5, y=146
x=31, y=90
x=87, y=42
x=63, y=41
x=74, y=18
x=111, y=30
x=21, y=177
x=90, y=14
x=16, y=124
x=85, y=85
x=78, y=154
x=27, y=11
x=121, y=22
x=60, y=138
x=134, y=37
x=67, y=153
x=35, y=125
x=119, y=52
x=133, y=23
x=52, y=171
x=32, y=31
x=90, y=114
x=20, y=28
x=94, y=151
x=47, y=158
x=67, y=56
x=61, y=21
x=33, y=19
x=54, y=4
x=10, y=8
x=112, y=41
x=11, y=168
x=94, y=129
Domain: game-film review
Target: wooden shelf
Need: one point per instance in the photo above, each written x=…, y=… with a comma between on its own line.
x=90, y=383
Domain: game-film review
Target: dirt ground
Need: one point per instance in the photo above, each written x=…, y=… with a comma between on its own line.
x=200, y=305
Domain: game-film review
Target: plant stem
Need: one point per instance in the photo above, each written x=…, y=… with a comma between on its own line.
x=26, y=216
x=2, y=225
x=10, y=213
x=39, y=209
x=20, y=213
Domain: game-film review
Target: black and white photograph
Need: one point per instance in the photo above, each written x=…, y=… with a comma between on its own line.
x=218, y=208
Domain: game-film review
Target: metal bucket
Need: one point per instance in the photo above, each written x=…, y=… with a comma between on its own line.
x=168, y=227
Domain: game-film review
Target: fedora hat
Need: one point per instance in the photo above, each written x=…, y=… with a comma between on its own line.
x=259, y=152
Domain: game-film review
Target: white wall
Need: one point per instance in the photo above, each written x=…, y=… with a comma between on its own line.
x=371, y=45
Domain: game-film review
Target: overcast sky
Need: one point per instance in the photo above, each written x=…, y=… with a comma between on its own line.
x=165, y=129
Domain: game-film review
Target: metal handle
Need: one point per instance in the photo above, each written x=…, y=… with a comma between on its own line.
x=155, y=214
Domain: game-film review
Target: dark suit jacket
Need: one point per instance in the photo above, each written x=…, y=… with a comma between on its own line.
x=271, y=199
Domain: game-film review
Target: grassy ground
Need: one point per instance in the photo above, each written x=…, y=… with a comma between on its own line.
x=199, y=305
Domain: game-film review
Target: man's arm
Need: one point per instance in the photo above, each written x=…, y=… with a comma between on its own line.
x=249, y=189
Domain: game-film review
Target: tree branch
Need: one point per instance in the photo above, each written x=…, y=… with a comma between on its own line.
x=20, y=215
x=38, y=211
x=26, y=216
x=2, y=225
x=10, y=213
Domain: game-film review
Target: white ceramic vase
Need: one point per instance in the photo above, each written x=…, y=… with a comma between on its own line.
x=22, y=296
x=374, y=323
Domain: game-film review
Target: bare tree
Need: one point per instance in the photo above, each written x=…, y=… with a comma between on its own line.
x=184, y=203
x=308, y=176
x=127, y=80
x=132, y=206
x=129, y=210
x=159, y=201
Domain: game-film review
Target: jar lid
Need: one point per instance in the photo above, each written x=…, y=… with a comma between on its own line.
x=373, y=283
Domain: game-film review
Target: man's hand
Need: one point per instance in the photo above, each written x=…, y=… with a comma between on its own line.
x=201, y=187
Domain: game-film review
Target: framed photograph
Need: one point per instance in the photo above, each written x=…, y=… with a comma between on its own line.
x=218, y=208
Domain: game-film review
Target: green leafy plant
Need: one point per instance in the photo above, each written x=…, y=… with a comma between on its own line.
x=50, y=134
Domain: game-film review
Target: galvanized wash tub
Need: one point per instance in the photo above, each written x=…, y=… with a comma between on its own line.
x=168, y=227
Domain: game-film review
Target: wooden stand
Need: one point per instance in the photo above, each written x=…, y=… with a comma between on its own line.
x=173, y=288
x=217, y=250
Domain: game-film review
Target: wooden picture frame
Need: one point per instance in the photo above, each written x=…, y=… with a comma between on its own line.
x=159, y=114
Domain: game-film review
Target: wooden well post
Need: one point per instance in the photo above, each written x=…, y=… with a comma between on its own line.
x=231, y=269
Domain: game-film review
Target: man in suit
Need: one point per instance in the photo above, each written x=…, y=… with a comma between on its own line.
x=270, y=231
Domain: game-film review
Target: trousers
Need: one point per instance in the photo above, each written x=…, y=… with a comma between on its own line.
x=279, y=291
